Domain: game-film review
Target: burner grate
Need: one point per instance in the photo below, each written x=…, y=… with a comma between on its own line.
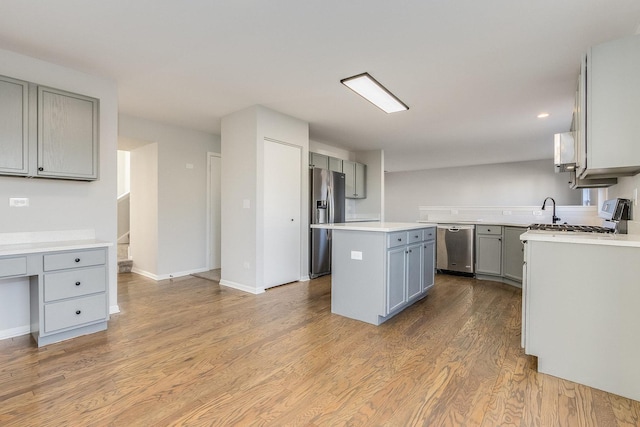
x=570, y=228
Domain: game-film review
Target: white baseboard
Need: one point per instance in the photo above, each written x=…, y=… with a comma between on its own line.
x=304, y=279
x=242, y=287
x=114, y=309
x=15, y=332
x=158, y=277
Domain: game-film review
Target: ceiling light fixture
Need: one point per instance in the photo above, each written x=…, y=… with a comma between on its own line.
x=543, y=115
x=369, y=88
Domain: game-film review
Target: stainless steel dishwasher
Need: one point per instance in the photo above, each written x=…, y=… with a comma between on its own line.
x=455, y=245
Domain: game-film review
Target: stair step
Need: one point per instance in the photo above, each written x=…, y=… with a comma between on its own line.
x=125, y=265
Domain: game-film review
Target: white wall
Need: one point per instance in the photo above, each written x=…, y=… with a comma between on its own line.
x=124, y=166
x=143, y=212
x=61, y=204
x=182, y=195
x=243, y=135
x=504, y=184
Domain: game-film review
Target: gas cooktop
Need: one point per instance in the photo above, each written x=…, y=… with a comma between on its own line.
x=570, y=228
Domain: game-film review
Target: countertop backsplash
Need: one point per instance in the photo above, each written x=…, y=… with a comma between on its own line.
x=517, y=215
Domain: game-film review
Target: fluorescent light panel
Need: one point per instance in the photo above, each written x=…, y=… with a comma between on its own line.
x=368, y=88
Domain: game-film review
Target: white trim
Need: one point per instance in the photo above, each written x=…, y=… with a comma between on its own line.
x=242, y=287
x=210, y=154
x=114, y=309
x=15, y=332
x=158, y=277
x=304, y=279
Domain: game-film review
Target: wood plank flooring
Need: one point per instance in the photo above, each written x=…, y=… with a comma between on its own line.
x=190, y=352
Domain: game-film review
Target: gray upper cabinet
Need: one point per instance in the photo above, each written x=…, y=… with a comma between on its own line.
x=47, y=133
x=318, y=161
x=335, y=164
x=14, y=126
x=67, y=135
x=608, y=107
x=355, y=177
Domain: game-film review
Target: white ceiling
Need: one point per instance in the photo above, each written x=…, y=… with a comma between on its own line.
x=474, y=73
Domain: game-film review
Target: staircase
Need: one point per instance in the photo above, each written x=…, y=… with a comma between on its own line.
x=125, y=263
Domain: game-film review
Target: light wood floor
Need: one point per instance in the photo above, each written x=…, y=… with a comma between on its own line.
x=189, y=352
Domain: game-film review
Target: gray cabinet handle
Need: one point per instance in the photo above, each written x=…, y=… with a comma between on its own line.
x=77, y=283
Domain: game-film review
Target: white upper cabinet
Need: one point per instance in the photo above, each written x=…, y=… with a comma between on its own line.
x=47, y=133
x=608, y=129
x=14, y=126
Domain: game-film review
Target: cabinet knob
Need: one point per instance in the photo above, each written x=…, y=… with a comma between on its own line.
x=78, y=312
x=416, y=236
x=77, y=259
x=41, y=169
x=77, y=283
x=399, y=240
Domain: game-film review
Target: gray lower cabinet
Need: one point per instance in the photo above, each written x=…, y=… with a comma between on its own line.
x=68, y=291
x=489, y=249
x=513, y=250
x=375, y=275
x=499, y=253
x=46, y=132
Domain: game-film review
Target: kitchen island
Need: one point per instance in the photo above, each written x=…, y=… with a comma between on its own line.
x=580, y=313
x=380, y=268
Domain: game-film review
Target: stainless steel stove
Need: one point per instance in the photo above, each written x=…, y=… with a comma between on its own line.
x=614, y=212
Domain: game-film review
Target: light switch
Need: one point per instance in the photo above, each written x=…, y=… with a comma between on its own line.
x=356, y=255
x=18, y=202
x=189, y=165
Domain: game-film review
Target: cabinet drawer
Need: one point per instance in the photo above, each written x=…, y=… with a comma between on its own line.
x=76, y=312
x=74, y=283
x=396, y=239
x=13, y=267
x=75, y=259
x=488, y=229
x=414, y=236
x=429, y=234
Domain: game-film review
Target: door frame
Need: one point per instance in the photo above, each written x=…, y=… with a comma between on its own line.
x=209, y=248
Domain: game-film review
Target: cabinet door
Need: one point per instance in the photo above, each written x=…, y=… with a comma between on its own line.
x=414, y=271
x=396, y=297
x=67, y=135
x=361, y=181
x=318, y=160
x=14, y=96
x=513, y=253
x=428, y=265
x=349, y=170
x=489, y=254
x=335, y=164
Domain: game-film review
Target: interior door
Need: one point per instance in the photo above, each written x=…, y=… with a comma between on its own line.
x=282, y=205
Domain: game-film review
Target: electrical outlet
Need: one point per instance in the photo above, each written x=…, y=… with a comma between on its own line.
x=356, y=255
x=18, y=202
x=537, y=213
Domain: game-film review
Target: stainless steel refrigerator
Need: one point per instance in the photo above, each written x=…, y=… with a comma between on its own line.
x=327, y=206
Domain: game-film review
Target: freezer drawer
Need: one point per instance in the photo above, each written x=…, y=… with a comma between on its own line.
x=455, y=248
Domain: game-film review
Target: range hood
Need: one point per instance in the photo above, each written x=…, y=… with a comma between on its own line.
x=564, y=159
x=578, y=183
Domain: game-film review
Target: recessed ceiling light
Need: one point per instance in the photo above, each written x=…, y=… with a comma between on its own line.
x=368, y=88
x=543, y=115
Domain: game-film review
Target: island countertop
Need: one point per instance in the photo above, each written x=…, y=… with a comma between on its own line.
x=631, y=240
x=381, y=227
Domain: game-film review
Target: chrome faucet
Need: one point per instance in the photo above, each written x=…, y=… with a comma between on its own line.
x=554, y=218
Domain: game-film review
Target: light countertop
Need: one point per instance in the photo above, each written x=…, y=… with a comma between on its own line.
x=631, y=240
x=382, y=227
x=39, y=247
x=479, y=222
